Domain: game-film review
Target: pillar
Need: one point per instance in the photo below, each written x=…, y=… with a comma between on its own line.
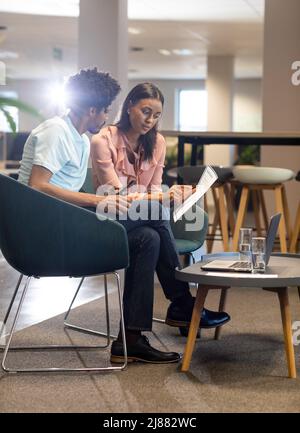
x=219, y=85
x=103, y=40
x=281, y=91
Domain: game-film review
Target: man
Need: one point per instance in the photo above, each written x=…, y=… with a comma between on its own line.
x=55, y=160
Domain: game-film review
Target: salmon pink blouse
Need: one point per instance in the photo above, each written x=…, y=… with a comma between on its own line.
x=110, y=164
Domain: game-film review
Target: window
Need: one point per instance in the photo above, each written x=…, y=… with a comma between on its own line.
x=192, y=110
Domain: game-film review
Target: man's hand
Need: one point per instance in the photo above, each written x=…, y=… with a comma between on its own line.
x=114, y=204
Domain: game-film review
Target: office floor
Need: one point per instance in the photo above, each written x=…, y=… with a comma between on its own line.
x=245, y=371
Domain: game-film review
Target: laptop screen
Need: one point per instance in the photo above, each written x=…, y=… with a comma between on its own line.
x=271, y=235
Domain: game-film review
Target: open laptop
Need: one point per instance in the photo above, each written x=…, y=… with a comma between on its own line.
x=238, y=266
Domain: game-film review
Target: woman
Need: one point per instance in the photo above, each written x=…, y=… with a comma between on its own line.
x=133, y=150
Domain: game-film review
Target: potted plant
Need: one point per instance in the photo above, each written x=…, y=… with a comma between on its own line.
x=10, y=102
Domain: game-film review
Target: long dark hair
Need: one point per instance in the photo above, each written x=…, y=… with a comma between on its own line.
x=141, y=91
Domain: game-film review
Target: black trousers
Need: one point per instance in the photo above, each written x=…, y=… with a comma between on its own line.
x=152, y=248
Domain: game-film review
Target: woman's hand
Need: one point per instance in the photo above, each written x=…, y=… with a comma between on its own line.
x=179, y=193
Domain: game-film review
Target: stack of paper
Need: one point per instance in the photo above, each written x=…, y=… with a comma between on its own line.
x=207, y=179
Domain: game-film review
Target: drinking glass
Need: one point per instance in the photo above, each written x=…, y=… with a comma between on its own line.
x=259, y=254
x=245, y=245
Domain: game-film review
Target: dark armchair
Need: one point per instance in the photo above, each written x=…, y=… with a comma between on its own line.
x=41, y=236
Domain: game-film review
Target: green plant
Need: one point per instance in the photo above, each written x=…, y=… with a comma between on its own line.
x=248, y=155
x=10, y=102
x=171, y=156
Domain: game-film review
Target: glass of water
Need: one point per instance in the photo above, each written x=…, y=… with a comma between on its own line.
x=259, y=254
x=245, y=240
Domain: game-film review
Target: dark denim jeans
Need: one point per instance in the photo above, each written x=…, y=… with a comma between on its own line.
x=152, y=248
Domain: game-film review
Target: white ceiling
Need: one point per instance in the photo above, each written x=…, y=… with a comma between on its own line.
x=206, y=27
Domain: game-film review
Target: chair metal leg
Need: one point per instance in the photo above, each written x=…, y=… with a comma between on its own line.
x=9, y=309
x=8, y=346
x=155, y=319
x=87, y=330
x=123, y=366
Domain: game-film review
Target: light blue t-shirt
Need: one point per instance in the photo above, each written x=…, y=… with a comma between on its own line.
x=57, y=145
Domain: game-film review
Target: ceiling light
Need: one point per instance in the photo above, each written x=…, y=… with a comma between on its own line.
x=8, y=55
x=164, y=52
x=67, y=8
x=182, y=52
x=134, y=31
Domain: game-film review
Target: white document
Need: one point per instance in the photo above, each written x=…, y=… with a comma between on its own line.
x=208, y=178
x=240, y=275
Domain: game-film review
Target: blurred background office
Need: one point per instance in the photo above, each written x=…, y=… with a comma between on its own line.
x=223, y=65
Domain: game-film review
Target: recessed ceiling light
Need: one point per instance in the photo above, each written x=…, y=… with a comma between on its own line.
x=164, y=52
x=182, y=52
x=67, y=8
x=134, y=31
x=8, y=55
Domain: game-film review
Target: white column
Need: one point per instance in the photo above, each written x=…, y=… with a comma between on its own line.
x=103, y=40
x=281, y=99
x=219, y=85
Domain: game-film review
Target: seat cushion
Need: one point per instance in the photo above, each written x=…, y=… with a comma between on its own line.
x=262, y=175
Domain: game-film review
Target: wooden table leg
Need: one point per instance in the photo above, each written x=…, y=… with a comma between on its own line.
x=240, y=217
x=194, y=325
x=222, y=306
x=223, y=218
x=287, y=330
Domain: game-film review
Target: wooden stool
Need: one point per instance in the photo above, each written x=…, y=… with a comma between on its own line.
x=256, y=180
x=224, y=215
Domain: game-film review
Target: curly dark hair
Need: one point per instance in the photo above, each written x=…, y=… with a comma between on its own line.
x=141, y=91
x=90, y=88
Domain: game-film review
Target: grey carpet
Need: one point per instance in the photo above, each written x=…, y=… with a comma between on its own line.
x=245, y=371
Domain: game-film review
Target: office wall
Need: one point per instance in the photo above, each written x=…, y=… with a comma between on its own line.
x=247, y=105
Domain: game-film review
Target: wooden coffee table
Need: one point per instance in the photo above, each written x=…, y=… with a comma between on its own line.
x=282, y=272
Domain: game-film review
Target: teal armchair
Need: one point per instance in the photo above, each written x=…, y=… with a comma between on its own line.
x=41, y=236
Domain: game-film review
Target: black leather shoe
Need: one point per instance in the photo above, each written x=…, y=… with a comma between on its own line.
x=143, y=352
x=176, y=316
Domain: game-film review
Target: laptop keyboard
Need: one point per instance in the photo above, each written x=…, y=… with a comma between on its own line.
x=243, y=265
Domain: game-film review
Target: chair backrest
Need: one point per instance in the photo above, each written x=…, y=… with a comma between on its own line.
x=192, y=226
x=44, y=236
x=191, y=174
